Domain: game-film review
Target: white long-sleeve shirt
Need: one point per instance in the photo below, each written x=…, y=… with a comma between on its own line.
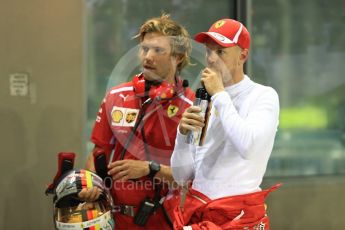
x=239, y=141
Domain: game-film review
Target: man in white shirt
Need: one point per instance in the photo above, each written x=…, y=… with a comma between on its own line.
x=240, y=135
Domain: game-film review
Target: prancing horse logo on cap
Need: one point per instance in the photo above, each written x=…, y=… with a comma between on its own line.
x=219, y=24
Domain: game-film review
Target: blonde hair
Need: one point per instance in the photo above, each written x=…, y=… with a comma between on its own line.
x=179, y=36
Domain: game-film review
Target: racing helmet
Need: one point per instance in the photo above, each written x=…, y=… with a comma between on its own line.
x=70, y=212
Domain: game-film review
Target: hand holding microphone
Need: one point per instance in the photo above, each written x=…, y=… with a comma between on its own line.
x=212, y=81
x=194, y=120
x=202, y=99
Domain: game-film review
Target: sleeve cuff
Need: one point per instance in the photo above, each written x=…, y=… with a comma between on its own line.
x=220, y=98
x=180, y=138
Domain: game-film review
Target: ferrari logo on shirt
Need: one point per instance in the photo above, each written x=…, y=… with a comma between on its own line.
x=172, y=110
x=219, y=24
x=124, y=116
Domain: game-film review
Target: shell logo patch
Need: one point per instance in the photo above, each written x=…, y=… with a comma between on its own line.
x=116, y=116
x=125, y=117
x=172, y=110
x=219, y=24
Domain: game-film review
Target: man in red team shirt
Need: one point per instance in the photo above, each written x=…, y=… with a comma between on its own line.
x=136, y=128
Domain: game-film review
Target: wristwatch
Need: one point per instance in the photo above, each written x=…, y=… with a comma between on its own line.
x=154, y=168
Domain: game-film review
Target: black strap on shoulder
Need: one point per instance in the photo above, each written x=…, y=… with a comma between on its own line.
x=157, y=187
x=134, y=129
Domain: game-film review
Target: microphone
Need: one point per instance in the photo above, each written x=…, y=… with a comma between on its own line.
x=202, y=99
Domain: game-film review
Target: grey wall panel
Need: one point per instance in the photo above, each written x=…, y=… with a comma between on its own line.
x=44, y=40
x=307, y=203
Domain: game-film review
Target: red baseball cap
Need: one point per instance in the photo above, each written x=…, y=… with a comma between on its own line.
x=226, y=32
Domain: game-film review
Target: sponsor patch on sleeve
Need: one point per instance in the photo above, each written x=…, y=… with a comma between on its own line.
x=124, y=116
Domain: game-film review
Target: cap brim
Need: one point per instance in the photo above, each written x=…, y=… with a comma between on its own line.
x=203, y=37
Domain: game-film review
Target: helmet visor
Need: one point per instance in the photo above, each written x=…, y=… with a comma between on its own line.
x=84, y=211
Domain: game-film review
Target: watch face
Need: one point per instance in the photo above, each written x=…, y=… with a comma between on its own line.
x=154, y=166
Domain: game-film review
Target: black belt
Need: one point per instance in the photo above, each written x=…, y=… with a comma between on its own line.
x=128, y=210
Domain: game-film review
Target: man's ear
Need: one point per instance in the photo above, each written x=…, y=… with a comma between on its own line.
x=244, y=55
x=179, y=59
